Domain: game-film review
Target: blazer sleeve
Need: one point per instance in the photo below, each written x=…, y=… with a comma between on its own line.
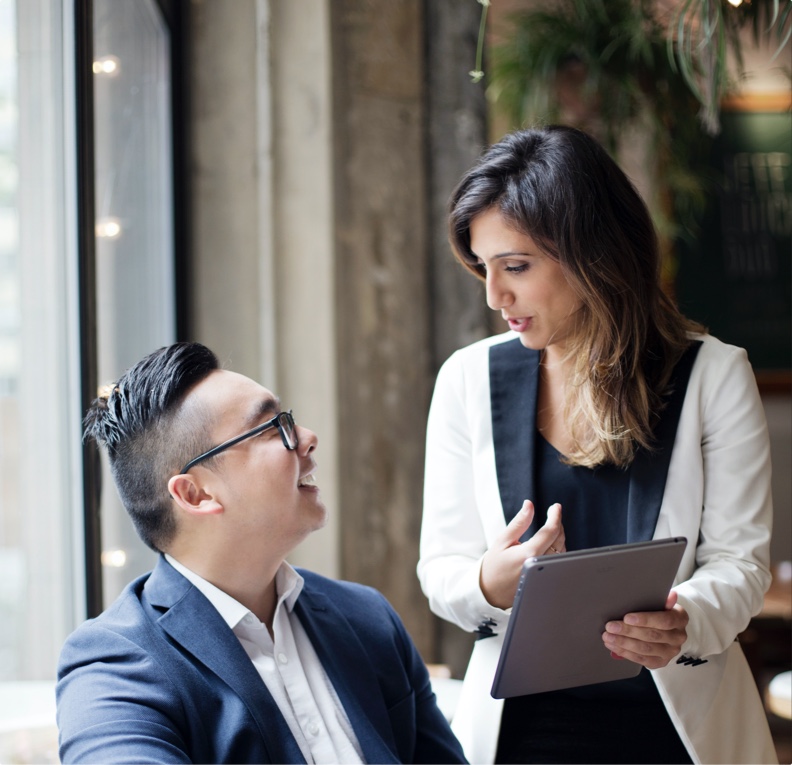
x=114, y=703
x=733, y=552
x=453, y=540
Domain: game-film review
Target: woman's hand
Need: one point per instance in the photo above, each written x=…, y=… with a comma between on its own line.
x=650, y=638
x=502, y=563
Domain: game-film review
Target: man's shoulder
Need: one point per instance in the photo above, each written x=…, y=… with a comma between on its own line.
x=354, y=600
x=339, y=588
x=123, y=620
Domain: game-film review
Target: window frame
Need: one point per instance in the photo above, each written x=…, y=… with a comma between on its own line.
x=176, y=14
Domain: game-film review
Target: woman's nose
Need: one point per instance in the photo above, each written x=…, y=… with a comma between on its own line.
x=497, y=296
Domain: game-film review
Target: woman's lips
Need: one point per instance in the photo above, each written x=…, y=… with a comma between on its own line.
x=519, y=325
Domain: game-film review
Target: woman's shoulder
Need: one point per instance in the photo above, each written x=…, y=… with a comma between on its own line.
x=467, y=369
x=718, y=361
x=714, y=350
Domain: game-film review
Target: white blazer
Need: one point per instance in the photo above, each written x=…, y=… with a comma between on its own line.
x=717, y=493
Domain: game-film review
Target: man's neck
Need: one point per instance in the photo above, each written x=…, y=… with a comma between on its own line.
x=251, y=583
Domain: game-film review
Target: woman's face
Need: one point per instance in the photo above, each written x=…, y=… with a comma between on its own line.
x=527, y=286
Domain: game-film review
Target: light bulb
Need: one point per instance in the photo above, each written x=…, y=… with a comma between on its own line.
x=114, y=558
x=108, y=66
x=108, y=228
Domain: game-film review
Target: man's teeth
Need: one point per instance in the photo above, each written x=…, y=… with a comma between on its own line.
x=308, y=480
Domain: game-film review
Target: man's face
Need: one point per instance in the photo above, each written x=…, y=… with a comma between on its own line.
x=267, y=491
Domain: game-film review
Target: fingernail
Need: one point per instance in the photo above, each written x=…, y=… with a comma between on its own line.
x=631, y=619
x=616, y=656
x=613, y=627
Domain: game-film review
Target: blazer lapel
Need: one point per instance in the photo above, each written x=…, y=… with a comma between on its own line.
x=351, y=673
x=513, y=390
x=192, y=621
x=649, y=470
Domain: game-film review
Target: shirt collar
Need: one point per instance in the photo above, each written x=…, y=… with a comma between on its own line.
x=288, y=586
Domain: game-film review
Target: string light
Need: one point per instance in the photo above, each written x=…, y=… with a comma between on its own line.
x=109, y=66
x=114, y=558
x=108, y=228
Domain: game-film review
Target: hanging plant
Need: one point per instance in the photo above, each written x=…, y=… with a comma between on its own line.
x=702, y=32
x=699, y=34
x=603, y=66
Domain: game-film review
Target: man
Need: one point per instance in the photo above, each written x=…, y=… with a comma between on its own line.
x=224, y=653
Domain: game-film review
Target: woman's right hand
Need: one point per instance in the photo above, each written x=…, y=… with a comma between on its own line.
x=502, y=563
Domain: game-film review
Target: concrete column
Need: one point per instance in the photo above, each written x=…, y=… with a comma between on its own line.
x=457, y=134
x=382, y=295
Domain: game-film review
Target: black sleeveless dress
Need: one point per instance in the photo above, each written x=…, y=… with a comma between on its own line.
x=624, y=721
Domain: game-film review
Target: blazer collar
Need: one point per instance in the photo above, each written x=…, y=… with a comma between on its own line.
x=196, y=625
x=649, y=470
x=351, y=672
x=514, y=384
x=191, y=620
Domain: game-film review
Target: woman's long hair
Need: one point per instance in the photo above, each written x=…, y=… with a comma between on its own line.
x=560, y=187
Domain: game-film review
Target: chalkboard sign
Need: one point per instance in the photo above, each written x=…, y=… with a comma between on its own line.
x=736, y=277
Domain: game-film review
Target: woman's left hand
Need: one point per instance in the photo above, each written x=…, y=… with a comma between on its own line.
x=650, y=638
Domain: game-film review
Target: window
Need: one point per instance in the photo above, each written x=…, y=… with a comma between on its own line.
x=87, y=287
x=135, y=297
x=41, y=586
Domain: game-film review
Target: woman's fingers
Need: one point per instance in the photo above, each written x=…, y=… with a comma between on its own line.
x=517, y=527
x=502, y=563
x=650, y=638
x=549, y=535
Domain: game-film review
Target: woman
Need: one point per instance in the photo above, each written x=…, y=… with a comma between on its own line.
x=605, y=400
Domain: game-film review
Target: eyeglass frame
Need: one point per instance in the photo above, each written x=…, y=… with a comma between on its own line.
x=275, y=422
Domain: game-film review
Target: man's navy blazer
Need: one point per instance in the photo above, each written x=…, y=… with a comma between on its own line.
x=160, y=677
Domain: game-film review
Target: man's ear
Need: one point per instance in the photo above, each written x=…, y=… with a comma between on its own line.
x=192, y=497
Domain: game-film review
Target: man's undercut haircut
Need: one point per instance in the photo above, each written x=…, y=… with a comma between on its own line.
x=149, y=435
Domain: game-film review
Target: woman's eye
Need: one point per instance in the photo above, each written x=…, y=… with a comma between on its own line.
x=518, y=269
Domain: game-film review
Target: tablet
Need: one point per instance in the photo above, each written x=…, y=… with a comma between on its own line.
x=554, y=637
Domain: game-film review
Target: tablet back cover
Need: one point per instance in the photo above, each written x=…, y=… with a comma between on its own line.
x=554, y=637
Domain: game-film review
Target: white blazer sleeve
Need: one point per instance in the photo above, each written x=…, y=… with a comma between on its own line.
x=732, y=555
x=453, y=539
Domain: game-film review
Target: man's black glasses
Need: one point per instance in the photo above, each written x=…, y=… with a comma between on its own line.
x=283, y=421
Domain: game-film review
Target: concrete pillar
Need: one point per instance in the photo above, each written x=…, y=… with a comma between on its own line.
x=382, y=294
x=456, y=136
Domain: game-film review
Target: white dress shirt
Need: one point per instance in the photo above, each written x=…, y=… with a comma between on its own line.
x=289, y=667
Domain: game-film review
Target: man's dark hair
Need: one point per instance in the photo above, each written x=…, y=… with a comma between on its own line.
x=149, y=436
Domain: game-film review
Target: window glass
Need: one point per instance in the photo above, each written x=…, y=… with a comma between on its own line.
x=40, y=502
x=134, y=226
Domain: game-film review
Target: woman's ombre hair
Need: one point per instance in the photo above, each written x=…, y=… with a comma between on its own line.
x=560, y=187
